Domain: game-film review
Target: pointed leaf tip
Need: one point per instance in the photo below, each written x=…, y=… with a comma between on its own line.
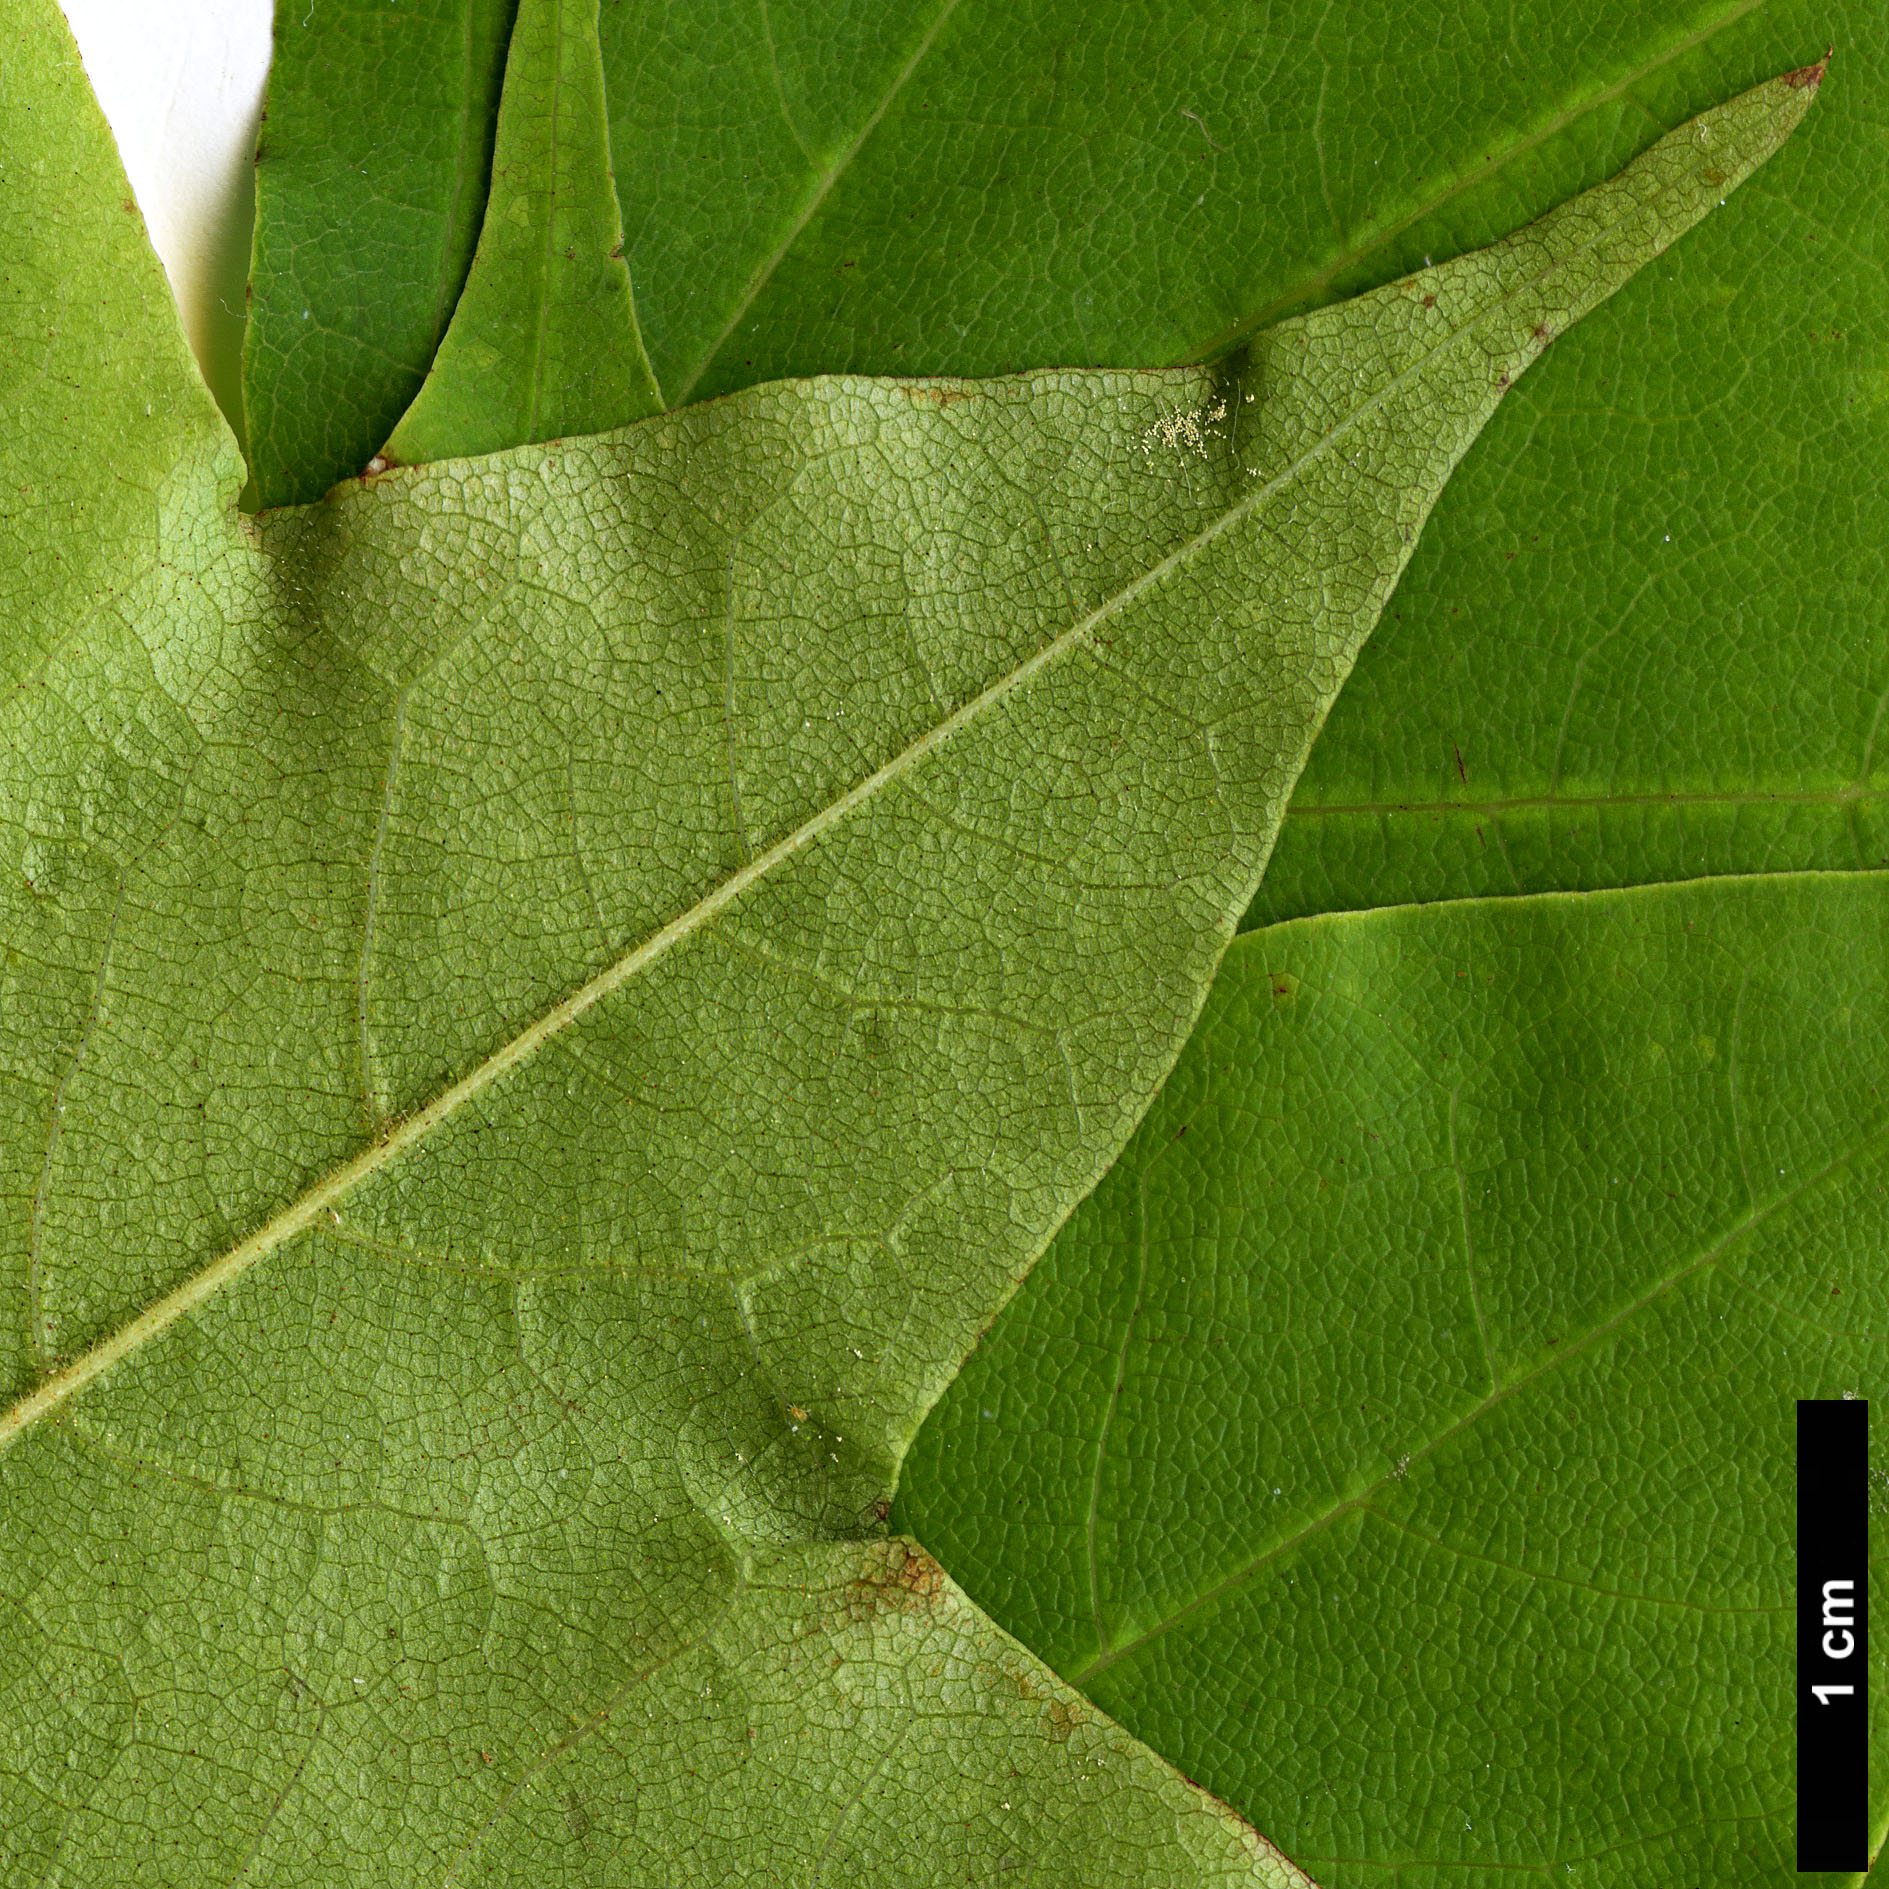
x=1808, y=78
x=544, y=343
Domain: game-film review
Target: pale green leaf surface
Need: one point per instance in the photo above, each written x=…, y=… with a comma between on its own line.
x=106, y=423
x=554, y=995
x=1643, y=638
x=105, y=415
x=371, y=174
x=1400, y=1439
x=544, y=340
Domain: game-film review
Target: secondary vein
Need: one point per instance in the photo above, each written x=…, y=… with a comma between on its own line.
x=398, y=1137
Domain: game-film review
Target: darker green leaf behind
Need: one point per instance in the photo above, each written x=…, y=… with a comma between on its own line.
x=370, y=184
x=1642, y=639
x=1400, y=1438
x=975, y=187
x=544, y=343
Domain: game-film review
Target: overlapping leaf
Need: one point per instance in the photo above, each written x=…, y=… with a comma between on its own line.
x=1642, y=641
x=551, y=996
x=970, y=186
x=371, y=174
x=1400, y=1438
x=544, y=340
x=1628, y=654
x=816, y=186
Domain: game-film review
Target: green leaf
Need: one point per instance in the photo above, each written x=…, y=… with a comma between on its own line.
x=549, y=997
x=968, y=187
x=103, y=407
x=544, y=341
x=1643, y=638
x=370, y=184
x=1022, y=198
x=1400, y=1438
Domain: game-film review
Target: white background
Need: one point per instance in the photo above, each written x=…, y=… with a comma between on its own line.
x=181, y=82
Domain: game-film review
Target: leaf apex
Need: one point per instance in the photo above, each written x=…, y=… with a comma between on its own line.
x=1808, y=78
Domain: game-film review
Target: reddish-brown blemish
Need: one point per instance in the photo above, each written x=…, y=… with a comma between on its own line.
x=1063, y=1713
x=900, y=1576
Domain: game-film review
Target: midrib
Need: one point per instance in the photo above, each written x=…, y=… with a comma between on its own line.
x=409, y=1131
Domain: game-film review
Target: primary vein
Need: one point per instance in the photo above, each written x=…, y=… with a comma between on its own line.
x=397, y=1137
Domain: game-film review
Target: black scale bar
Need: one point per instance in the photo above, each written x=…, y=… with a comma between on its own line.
x=1832, y=1634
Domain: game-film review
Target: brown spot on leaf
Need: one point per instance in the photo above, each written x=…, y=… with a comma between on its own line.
x=900, y=1577
x=1062, y=1713
x=1811, y=76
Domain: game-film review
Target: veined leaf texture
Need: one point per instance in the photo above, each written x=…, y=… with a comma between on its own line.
x=553, y=995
